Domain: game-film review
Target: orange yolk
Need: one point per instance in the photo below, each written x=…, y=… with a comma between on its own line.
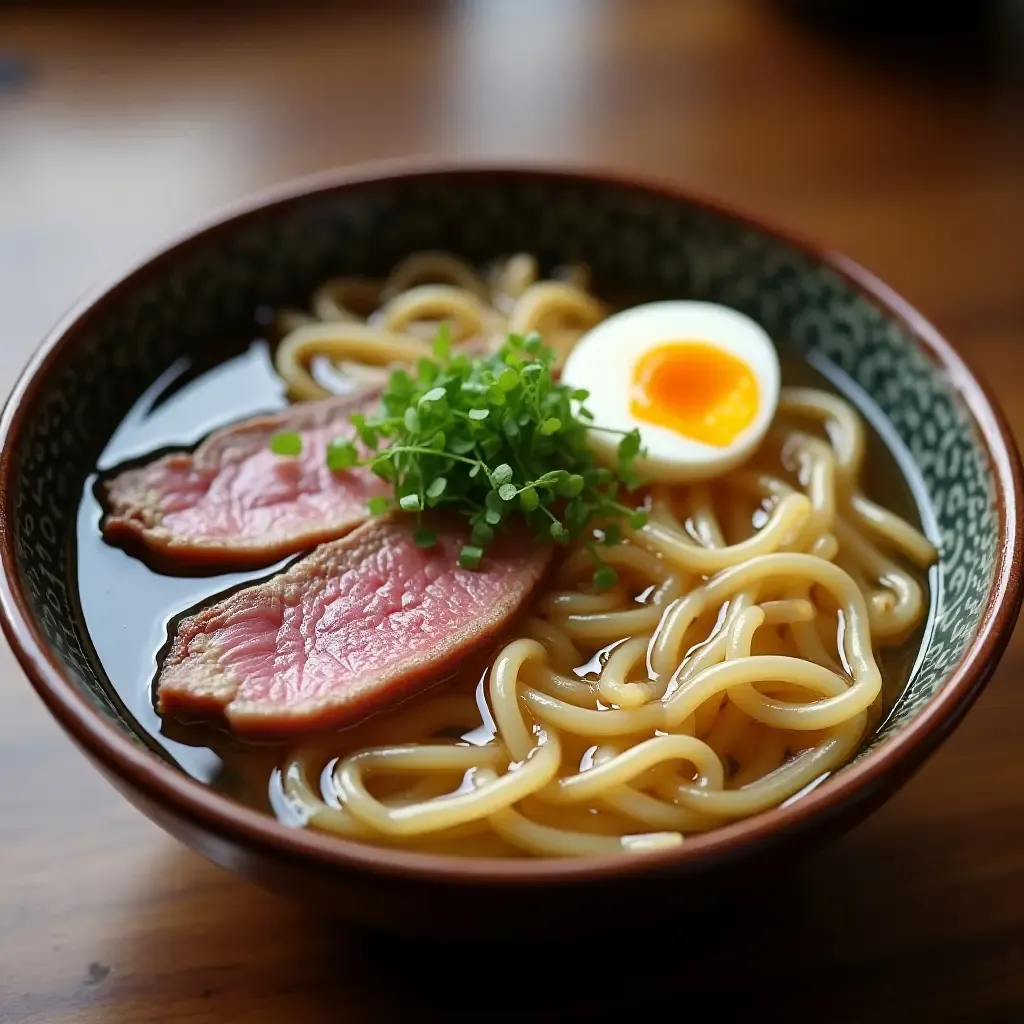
x=696, y=390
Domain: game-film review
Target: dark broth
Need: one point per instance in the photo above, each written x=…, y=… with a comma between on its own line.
x=129, y=609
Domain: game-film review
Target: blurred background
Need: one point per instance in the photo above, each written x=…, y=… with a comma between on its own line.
x=891, y=130
x=887, y=128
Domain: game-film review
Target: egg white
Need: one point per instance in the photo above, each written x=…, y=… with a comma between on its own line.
x=604, y=360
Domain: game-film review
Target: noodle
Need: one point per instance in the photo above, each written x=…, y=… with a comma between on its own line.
x=732, y=666
x=358, y=320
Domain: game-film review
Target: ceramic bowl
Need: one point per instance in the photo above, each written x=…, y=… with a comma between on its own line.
x=640, y=239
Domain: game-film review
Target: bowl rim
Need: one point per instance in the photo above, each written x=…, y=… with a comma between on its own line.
x=199, y=805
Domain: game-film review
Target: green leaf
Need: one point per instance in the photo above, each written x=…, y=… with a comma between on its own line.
x=482, y=534
x=605, y=577
x=377, y=506
x=400, y=381
x=286, y=442
x=577, y=512
x=638, y=520
x=450, y=432
x=341, y=454
x=442, y=345
x=572, y=486
x=424, y=538
x=370, y=436
x=427, y=370
x=629, y=446
x=470, y=556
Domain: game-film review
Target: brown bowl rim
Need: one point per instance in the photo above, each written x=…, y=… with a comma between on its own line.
x=199, y=805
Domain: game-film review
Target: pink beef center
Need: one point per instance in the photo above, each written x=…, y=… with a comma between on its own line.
x=264, y=494
x=342, y=632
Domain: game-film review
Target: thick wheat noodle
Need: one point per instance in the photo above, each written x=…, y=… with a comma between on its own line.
x=341, y=298
x=504, y=693
x=817, y=461
x=581, y=622
x=539, y=767
x=572, y=602
x=704, y=520
x=844, y=427
x=433, y=268
x=614, y=684
x=897, y=603
x=708, y=530
x=560, y=311
x=511, y=279
x=769, y=751
x=794, y=568
x=580, y=564
x=436, y=302
x=783, y=782
x=846, y=433
x=575, y=274
x=653, y=813
x=571, y=689
x=730, y=726
x=340, y=341
x=424, y=289
x=664, y=535
x=624, y=767
x=897, y=532
x=730, y=667
x=555, y=303
x=609, y=626
x=339, y=821
x=544, y=840
x=562, y=652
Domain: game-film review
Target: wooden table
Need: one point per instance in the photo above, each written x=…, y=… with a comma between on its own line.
x=116, y=127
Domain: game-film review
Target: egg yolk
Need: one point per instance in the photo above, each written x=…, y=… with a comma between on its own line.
x=695, y=389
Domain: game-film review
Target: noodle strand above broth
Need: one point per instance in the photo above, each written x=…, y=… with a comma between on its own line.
x=733, y=665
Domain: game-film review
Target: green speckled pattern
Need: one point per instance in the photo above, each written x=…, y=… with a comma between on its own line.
x=635, y=241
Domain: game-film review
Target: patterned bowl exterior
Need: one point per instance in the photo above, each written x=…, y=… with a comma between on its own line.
x=636, y=241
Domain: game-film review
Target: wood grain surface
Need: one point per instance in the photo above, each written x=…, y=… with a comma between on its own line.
x=116, y=126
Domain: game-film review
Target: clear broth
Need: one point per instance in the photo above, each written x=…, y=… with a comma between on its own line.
x=130, y=610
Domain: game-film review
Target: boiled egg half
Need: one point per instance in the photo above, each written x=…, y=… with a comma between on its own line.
x=698, y=380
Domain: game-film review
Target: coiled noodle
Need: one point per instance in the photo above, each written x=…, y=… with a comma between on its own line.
x=733, y=665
